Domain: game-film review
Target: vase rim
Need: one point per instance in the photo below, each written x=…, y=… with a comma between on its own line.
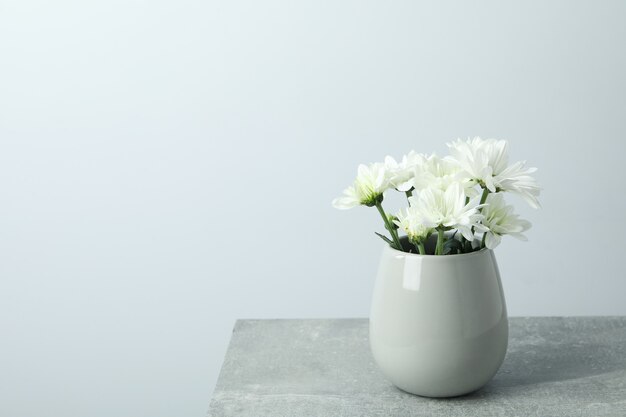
x=456, y=255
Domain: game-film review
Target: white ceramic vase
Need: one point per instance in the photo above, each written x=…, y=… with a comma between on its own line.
x=438, y=324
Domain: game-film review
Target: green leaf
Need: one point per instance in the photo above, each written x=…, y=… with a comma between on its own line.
x=391, y=222
x=385, y=238
x=452, y=246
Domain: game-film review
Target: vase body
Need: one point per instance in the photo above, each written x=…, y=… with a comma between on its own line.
x=438, y=324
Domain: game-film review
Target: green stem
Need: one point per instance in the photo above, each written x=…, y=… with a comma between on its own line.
x=420, y=247
x=440, y=238
x=409, y=194
x=390, y=227
x=482, y=243
x=483, y=197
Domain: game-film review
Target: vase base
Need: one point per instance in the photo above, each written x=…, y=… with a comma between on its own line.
x=439, y=395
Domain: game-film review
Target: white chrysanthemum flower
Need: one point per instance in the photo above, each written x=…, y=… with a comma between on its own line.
x=401, y=173
x=435, y=173
x=500, y=220
x=517, y=179
x=448, y=209
x=412, y=222
x=440, y=173
x=486, y=162
x=368, y=188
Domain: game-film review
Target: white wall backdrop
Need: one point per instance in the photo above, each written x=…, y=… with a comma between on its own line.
x=167, y=167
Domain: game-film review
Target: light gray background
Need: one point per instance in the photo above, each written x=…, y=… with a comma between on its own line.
x=168, y=166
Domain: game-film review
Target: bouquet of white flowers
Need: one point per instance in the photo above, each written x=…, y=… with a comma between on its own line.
x=459, y=198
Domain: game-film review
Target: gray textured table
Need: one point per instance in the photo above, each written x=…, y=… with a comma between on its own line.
x=554, y=367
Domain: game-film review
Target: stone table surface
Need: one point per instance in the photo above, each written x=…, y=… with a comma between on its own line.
x=555, y=366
